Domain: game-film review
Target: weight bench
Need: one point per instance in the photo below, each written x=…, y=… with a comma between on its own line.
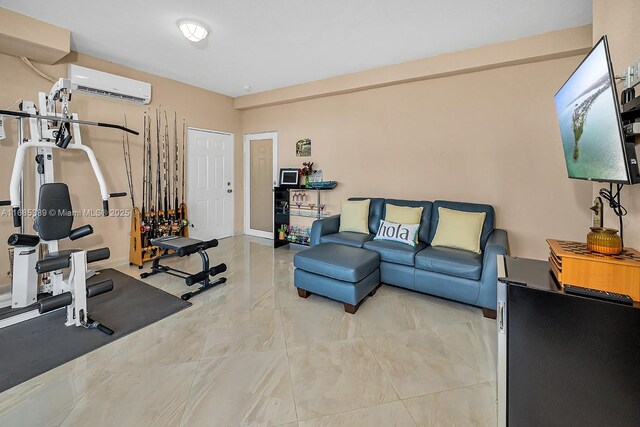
x=174, y=246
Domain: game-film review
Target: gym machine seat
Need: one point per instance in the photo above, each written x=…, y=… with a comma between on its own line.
x=173, y=246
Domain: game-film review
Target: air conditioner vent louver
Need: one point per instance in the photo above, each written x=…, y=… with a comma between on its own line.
x=108, y=94
x=93, y=82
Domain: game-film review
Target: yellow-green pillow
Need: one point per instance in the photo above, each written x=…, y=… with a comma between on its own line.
x=403, y=214
x=354, y=216
x=459, y=230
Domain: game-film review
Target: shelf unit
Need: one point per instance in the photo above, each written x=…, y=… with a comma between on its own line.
x=283, y=211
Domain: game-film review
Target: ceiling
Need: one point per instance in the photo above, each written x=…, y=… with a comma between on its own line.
x=269, y=44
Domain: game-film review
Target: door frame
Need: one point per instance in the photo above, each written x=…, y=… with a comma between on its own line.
x=273, y=135
x=231, y=171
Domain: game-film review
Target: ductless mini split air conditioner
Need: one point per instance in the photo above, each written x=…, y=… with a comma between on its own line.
x=93, y=82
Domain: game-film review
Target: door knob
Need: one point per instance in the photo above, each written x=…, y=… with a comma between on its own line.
x=229, y=191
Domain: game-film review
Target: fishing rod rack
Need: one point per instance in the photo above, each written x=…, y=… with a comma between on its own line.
x=162, y=213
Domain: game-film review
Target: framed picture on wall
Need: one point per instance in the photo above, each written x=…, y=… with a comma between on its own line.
x=289, y=177
x=303, y=148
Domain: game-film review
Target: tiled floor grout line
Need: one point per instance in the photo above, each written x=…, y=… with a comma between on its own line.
x=286, y=352
x=193, y=380
x=464, y=359
x=381, y=368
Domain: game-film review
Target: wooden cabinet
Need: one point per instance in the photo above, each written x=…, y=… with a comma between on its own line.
x=573, y=264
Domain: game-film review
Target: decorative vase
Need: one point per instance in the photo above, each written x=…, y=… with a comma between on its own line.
x=281, y=235
x=604, y=240
x=306, y=181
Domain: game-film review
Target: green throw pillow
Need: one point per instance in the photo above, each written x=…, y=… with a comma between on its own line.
x=354, y=216
x=459, y=230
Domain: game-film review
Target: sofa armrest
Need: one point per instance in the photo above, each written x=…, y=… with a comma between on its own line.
x=498, y=244
x=324, y=226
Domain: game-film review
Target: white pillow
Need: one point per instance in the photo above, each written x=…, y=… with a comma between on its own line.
x=459, y=230
x=402, y=233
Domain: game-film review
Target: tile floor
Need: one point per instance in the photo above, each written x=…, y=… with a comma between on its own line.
x=252, y=353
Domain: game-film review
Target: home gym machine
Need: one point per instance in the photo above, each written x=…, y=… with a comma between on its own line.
x=57, y=279
x=173, y=246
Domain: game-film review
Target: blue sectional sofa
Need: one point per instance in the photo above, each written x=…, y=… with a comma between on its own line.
x=454, y=274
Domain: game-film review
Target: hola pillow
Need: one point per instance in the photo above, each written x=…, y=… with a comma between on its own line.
x=403, y=214
x=403, y=233
x=354, y=216
x=459, y=230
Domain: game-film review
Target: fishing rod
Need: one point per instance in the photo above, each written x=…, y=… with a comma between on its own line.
x=143, y=212
x=184, y=154
x=158, y=180
x=183, y=216
x=144, y=166
x=175, y=166
x=126, y=149
x=165, y=166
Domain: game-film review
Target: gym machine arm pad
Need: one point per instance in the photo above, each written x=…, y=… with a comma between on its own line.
x=98, y=255
x=79, y=232
x=99, y=288
x=52, y=264
x=23, y=240
x=55, y=302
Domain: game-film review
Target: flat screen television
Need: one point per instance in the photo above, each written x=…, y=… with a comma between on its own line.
x=589, y=117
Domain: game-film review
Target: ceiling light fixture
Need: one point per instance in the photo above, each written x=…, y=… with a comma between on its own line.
x=194, y=31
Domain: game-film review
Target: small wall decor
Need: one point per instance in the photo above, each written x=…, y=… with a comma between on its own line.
x=316, y=176
x=303, y=148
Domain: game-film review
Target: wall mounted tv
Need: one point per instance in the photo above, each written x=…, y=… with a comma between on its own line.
x=590, y=124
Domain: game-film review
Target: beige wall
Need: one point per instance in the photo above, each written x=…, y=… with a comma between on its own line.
x=201, y=108
x=551, y=45
x=620, y=21
x=487, y=137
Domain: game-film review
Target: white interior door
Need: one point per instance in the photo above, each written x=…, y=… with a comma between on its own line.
x=260, y=176
x=209, y=183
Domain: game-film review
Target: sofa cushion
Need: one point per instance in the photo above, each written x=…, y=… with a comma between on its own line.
x=487, y=227
x=425, y=220
x=354, y=216
x=395, y=252
x=338, y=262
x=376, y=208
x=347, y=238
x=453, y=262
x=402, y=214
x=459, y=229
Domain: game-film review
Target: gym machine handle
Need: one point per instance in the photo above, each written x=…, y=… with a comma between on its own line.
x=105, y=203
x=23, y=240
x=79, y=232
x=17, y=219
x=5, y=202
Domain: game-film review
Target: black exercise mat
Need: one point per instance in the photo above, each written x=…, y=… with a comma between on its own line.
x=31, y=348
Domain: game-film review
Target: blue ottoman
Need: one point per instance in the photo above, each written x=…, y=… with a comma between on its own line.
x=339, y=272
